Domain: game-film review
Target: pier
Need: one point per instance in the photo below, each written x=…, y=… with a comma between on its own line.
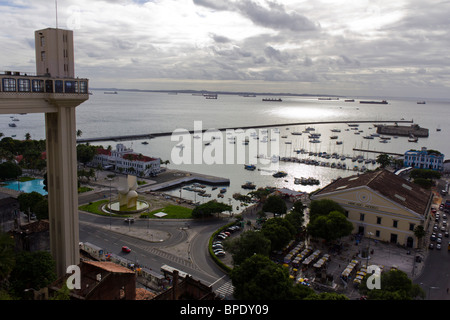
x=379, y=152
x=162, y=134
x=173, y=178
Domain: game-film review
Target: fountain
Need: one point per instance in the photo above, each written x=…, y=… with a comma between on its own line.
x=128, y=201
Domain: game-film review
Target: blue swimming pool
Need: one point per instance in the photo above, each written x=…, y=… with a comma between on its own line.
x=27, y=186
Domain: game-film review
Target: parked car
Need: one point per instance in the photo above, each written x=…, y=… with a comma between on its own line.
x=126, y=249
x=431, y=246
x=438, y=246
x=219, y=253
x=433, y=237
x=129, y=220
x=446, y=234
x=439, y=240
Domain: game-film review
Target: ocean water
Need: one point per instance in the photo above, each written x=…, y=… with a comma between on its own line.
x=128, y=113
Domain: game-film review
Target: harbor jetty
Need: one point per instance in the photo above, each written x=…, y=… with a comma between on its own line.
x=172, y=178
x=396, y=130
x=162, y=134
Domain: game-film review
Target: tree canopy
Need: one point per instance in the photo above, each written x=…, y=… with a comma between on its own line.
x=258, y=278
x=249, y=243
x=209, y=208
x=394, y=285
x=279, y=231
x=327, y=220
x=275, y=204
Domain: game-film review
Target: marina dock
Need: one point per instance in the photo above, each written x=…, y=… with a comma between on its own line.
x=173, y=178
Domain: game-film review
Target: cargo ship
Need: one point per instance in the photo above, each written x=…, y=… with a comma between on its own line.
x=375, y=102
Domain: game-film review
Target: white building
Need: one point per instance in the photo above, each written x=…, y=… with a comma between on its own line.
x=124, y=160
x=424, y=159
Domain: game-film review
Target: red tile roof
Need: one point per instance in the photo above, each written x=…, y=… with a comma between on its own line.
x=387, y=184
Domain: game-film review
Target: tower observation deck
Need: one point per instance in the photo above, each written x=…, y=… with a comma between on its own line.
x=55, y=91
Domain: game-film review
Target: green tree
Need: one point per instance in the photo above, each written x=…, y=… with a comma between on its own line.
x=384, y=160
x=29, y=201
x=394, y=285
x=33, y=270
x=419, y=232
x=296, y=216
x=275, y=204
x=323, y=207
x=7, y=260
x=209, y=208
x=279, y=231
x=9, y=170
x=259, y=278
x=330, y=227
x=248, y=244
x=85, y=153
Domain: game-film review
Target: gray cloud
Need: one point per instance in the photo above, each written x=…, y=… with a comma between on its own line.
x=275, y=16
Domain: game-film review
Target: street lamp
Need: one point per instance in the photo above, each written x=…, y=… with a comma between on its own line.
x=110, y=180
x=368, y=248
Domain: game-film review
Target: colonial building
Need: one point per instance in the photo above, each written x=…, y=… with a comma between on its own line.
x=424, y=159
x=124, y=160
x=381, y=205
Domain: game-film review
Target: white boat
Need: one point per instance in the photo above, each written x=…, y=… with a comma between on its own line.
x=412, y=138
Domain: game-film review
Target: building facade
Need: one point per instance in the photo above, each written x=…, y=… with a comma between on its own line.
x=424, y=159
x=124, y=160
x=381, y=205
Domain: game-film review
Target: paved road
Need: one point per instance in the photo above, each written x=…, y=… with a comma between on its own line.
x=180, y=244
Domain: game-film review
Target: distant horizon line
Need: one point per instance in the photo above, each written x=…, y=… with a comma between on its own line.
x=266, y=93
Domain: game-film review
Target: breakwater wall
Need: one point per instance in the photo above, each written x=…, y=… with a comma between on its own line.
x=395, y=130
x=162, y=134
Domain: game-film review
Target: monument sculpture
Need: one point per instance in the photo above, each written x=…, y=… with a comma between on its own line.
x=127, y=192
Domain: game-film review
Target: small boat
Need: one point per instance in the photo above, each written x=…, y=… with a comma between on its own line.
x=270, y=99
x=250, y=167
x=280, y=174
x=144, y=142
x=12, y=125
x=412, y=138
x=421, y=102
x=248, y=185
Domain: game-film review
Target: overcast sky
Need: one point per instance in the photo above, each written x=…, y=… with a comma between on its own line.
x=340, y=47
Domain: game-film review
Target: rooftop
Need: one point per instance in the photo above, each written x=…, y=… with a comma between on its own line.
x=388, y=185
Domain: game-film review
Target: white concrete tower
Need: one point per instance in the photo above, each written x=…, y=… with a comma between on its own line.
x=56, y=92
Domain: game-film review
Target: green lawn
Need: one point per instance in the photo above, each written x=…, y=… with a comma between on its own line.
x=172, y=211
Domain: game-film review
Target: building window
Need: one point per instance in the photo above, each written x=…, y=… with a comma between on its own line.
x=9, y=85
x=378, y=220
x=377, y=233
x=49, y=86
x=42, y=41
x=24, y=85
x=411, y=226
x=38, y=85
x=395, y=223
x=361, y=216
x=59, y=86
x=69, y=87
x=83, y=87
x=42, y=55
